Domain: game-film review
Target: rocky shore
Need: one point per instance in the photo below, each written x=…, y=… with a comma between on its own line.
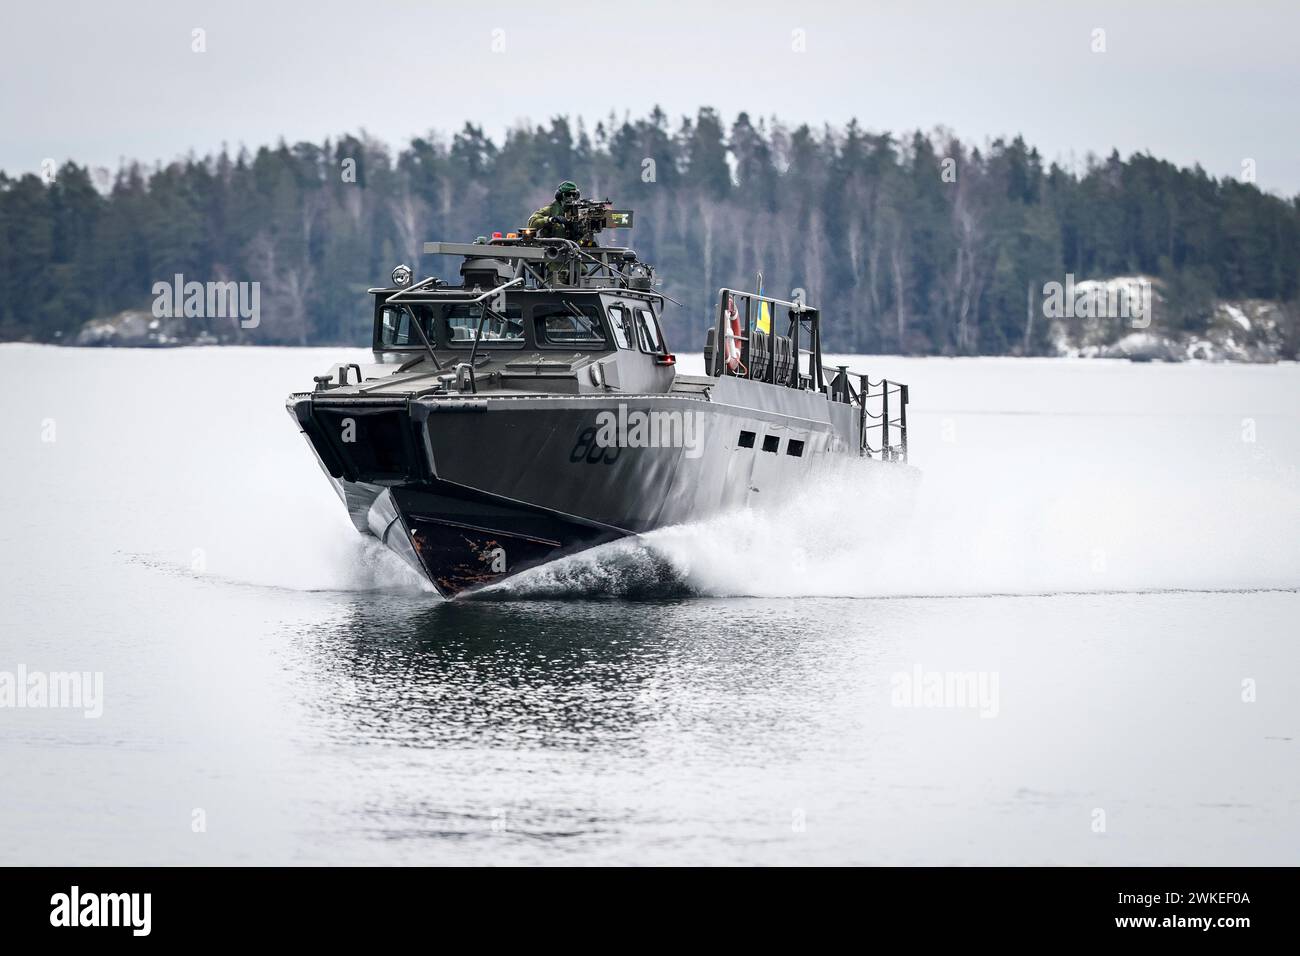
x=1249, y=330
x=138, y=328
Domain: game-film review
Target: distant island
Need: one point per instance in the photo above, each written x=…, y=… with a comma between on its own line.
x=919, y=245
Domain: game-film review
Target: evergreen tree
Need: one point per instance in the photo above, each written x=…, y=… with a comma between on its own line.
x=916, y=244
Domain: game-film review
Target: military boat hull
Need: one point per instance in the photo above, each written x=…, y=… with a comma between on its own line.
x=472, y=490
x=534, y=410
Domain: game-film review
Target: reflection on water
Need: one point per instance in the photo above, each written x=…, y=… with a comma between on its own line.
x=759, y=731
x=548, y=731
x=605, y=676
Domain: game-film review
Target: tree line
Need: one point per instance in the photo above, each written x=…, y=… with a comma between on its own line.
x=917, y=244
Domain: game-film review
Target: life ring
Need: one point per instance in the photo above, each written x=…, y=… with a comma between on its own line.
x=733, y=340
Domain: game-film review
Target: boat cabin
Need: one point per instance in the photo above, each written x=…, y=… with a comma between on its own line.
x=550, y=315
x=529, y=315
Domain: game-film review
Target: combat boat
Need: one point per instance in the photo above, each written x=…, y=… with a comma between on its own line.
x=534, y=409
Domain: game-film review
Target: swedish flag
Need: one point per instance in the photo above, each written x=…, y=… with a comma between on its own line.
x=764, y=323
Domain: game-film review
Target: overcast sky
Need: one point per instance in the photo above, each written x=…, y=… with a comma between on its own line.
x=1193, y=81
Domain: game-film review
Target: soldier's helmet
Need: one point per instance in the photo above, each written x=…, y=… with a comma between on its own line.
x=567, y=190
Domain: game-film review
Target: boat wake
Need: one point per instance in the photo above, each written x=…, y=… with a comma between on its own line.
x=885, y=536
x=632, y=569
x=978, y=523
x=364, y=567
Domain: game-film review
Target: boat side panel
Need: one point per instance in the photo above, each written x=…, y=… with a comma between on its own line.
x=550, y=455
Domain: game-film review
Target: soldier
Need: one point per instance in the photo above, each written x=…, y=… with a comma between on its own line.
x=549, y=220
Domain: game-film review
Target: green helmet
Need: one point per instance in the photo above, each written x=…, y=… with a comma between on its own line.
x=567, y=190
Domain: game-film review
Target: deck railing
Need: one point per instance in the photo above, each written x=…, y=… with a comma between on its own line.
x=890, y=444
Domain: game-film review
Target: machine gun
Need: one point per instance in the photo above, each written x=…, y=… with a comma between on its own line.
x=583, y=218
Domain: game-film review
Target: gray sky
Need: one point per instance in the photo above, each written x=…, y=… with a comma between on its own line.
x=1209, y=82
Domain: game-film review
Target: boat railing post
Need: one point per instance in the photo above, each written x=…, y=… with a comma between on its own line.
x=771, y=342
x=902, y=422
x=884, y=420
x=815, y=343
x=749, y=338
x=862, y=414
x=719, y=343
x=794, y=345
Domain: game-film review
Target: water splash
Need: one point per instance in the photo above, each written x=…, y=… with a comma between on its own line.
x=867, y=532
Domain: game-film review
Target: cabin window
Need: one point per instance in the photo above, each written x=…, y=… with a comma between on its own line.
x=746, y=439
x=647, y=332
x=575, y=326
x=794, y=447
x=395, y=327
x=460, y=325
x=618, y=323
x=771, y=443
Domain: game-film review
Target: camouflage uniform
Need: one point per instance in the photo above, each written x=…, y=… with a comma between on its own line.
x=541, y=221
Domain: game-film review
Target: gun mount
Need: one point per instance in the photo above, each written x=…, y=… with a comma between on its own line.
x=548, y=263
x=584, y=218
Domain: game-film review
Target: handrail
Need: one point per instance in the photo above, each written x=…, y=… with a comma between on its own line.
x=442, y=298
x=888, y=451
x=897, y=386
x=415, y=320
x=478, y=332
x=835, y=382
x=766, y=370
x=419, y=327
x=797, y=306
x=402, y=292
x=485, y=295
